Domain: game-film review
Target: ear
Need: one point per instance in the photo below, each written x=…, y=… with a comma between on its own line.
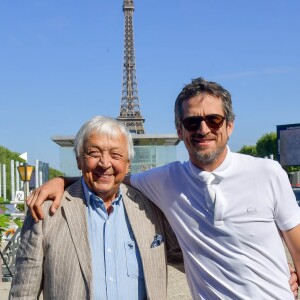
x=179, y=132
x=78, y=163
x=230, y=126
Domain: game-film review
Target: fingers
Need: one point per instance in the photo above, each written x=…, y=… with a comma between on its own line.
x=294, y=289
x=50, y=190
x=34, y=202
x=55, y=205
x=293, y=281
x=291, y=268
x=294, y=285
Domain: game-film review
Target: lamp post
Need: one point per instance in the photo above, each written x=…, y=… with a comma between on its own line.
x=25, y=172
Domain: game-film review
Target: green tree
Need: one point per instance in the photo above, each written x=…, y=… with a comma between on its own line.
x=5, y=157
x=54, y=173
x=290, y=169
x=267, y=145
x=250, y=150
x=4, y=221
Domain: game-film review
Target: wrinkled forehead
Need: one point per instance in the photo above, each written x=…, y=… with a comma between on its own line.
x=115, y=136
x=203, y=102
x=112, y=132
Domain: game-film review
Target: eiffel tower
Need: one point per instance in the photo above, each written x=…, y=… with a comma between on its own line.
x=151, y=150
x=130, y=114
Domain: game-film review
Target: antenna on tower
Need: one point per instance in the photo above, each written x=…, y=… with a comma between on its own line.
x=130, y=114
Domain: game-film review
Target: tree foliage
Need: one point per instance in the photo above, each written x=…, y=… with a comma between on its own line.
x=4, y=221
x=267, y=145
x=5, y=157
x=290, y=169
x=250, y=150
x=54, y=173
x=264, y=147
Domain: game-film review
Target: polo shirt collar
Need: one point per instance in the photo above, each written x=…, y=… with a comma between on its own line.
x=220, y=172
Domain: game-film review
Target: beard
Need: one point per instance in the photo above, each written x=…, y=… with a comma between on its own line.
x=207, y=158
x=204, y=156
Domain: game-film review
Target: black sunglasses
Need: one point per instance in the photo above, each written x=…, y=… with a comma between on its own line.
x=212, y=121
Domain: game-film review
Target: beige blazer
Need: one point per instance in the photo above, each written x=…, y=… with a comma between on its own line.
x=54, y=255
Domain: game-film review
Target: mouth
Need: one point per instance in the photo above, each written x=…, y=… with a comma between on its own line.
x=103, y=176
x=202, y=140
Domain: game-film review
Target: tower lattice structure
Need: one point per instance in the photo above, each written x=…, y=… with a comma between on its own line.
x=130, y=114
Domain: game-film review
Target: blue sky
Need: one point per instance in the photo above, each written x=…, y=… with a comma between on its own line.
x=61, y=64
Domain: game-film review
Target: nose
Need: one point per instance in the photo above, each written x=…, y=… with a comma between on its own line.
x=104, y=162
x=203, y=128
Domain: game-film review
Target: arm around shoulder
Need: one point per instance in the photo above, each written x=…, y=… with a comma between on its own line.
x=50, y=190
x=292, y=240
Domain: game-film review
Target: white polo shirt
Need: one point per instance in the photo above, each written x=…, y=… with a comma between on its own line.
x=241, y=257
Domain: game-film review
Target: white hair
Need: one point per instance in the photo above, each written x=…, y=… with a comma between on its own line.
x=102, y=125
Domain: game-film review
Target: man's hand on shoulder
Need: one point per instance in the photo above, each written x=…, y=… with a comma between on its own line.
x=293, y=281
x=50, y=190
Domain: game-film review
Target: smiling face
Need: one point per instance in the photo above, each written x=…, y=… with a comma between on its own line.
x=104, y=163
x=206, y=146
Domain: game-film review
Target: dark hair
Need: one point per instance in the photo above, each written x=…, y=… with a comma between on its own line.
x=198, y=86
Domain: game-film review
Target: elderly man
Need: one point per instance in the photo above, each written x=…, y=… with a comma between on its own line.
x=225, y=208
x=107, y=241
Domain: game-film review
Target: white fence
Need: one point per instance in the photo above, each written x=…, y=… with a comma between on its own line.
x=40, y=175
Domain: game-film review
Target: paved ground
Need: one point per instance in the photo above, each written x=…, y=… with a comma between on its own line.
x=178, y=289
x=4, y=290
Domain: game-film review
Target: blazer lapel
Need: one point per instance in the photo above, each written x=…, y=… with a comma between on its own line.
x=146, y=222
x=75, y=211
x=137, y=217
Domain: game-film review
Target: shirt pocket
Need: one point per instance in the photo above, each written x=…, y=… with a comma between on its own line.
x=133, y=260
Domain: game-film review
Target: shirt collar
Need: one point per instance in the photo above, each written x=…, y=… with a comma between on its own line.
x=220, y=172
x=87, y=194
